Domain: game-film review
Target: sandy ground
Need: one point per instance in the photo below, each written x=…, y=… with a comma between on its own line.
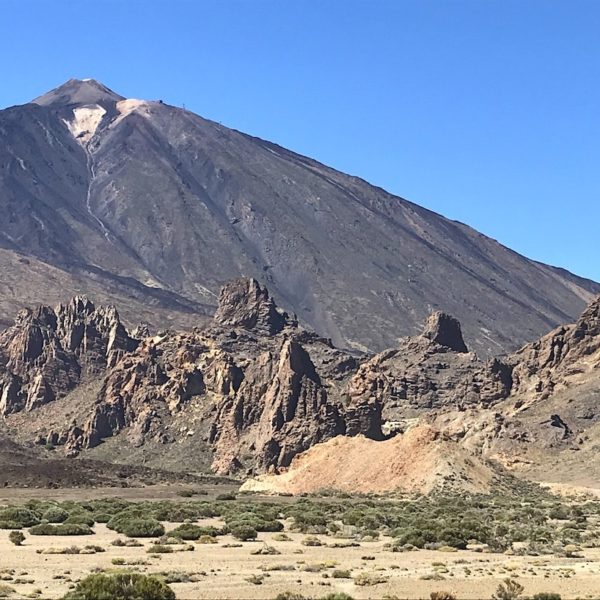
x=221, y=572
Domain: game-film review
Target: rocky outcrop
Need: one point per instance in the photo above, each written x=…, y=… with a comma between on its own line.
x=253, y=389
x=566, y=353
x=244, y=303
x=444, y=330
x=48, y=352
x=258, y=387
x=433, y=371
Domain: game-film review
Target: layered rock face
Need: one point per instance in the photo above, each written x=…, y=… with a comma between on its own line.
x=48, y=352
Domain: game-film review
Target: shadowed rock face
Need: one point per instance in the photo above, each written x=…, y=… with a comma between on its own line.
x=159, y=205
x=444, y=330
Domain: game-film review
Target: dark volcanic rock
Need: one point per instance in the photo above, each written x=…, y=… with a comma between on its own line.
x=444, y=330
x=244, y=303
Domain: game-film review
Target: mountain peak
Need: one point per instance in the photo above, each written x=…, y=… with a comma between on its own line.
x=80, y=92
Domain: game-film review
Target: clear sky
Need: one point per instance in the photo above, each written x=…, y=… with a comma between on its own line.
x=485, y=111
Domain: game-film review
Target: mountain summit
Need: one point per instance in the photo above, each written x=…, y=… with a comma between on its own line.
x=153, y=207
x=78, y=92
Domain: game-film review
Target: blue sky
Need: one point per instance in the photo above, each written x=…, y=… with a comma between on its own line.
x=485, y=111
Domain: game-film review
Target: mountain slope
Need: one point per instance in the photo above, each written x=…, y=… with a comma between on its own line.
x=157, y=195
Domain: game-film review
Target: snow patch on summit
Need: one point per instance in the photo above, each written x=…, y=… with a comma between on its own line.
x=85, y=122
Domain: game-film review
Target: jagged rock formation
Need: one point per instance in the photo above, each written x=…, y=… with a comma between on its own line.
x=154, y=207
x=48, y=352
x=252, y=390
x=255, y=386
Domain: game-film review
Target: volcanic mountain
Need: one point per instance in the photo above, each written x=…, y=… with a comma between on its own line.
x=151, y=207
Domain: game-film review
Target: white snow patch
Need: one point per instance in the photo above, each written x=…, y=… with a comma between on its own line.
x=85, y=122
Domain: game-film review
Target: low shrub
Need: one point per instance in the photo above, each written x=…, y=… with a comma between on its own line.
x=160, y=549
x=124, y=586
x=141, y=528
x=61, y=529
x=244, y=533
x=18, y=517
x=16, y=537
x=189, y=531
x=365, y=579
x=55, y=514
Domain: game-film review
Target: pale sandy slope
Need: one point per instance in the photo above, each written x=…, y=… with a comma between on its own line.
x=420, y=460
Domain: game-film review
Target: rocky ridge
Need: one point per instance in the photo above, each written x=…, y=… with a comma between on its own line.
x=252, y=390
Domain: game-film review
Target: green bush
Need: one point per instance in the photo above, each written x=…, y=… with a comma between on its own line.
x=18, y=517
x=228, y=496
x=189, y=531
x=16, y=537
x=102, y=517
x=244, y=533
x=55, y=514
x=140, y=527
x=81, y=517
x=121, y=586
x=61, y=529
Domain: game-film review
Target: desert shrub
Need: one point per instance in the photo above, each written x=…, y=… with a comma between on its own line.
x=16, y=537
x=509, y=590
x=442, y=596
x=102, y=517
x=341, y=574
x=160, y=549
x=189, y=531
x=129, y=543
x=228, y=496
x=282, y=537
x=18, y=517
x=290, y=596
x=244, y=532
x=336, y=596
x=81, y=517
x=61, y=529
x=365, y=579
x=546, y=596
x=311, y=540
x=207, y=539
x=255, y=579
x=55, y=514
x=121, y=518
x=309, y=521
x=141, y=528
x=124, y=586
